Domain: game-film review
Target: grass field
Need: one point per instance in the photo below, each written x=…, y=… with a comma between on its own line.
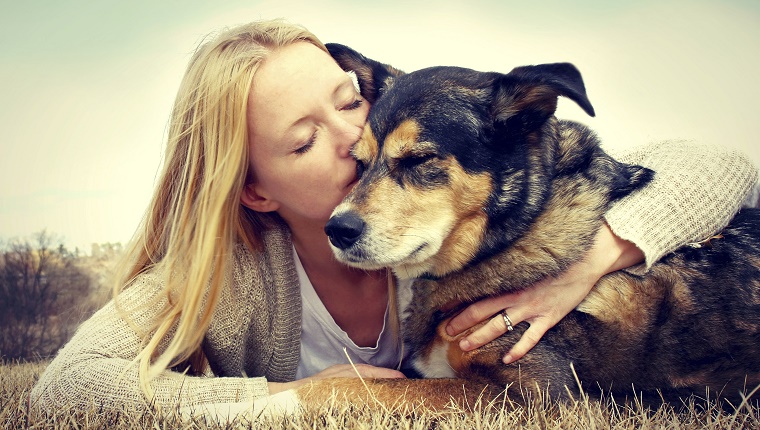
x=17, y=379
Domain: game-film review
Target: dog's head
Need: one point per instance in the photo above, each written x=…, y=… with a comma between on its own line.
x=446, y=153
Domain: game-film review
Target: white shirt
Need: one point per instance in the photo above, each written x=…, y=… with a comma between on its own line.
x=323, y=342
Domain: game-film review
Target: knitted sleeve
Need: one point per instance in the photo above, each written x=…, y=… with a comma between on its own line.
x=96, y=367
x=696, y=191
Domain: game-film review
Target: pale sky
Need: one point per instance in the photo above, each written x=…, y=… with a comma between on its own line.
x=87, y=86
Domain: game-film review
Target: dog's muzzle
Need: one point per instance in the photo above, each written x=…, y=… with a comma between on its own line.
x=344, y=229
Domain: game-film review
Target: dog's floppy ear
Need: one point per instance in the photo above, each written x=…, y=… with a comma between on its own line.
x=374, y=77
x=527, y=96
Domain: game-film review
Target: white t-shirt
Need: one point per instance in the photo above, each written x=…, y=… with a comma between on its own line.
x=323, y=341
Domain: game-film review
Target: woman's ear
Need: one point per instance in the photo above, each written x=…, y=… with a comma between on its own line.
x=254, y=201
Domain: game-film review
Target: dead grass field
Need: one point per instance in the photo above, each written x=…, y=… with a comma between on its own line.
x=17, y=379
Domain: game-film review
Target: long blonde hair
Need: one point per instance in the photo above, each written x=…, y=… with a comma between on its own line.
x=195, y=217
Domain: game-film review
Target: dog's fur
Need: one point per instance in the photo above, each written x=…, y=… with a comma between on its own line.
x=471, y=185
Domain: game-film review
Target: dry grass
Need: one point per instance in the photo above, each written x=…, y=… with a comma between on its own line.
x=16, y=381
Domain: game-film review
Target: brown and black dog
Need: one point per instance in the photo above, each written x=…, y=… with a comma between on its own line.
x=471, y=185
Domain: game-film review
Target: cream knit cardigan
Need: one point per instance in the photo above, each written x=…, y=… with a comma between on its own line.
x=254, y=334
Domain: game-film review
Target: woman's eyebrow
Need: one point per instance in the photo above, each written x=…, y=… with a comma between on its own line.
x=347, y=82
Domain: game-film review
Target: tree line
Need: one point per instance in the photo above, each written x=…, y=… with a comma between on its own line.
x=44, y=294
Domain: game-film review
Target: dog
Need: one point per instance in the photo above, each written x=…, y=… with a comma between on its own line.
x=470, y=185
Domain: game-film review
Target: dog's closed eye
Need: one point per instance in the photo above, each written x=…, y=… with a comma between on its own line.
x=416, y=160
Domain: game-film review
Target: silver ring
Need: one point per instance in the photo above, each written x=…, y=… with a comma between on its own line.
x=507, y=321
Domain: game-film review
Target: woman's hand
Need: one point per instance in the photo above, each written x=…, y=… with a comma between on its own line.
x=353, y=371
x=339, y=371
x=548, y=301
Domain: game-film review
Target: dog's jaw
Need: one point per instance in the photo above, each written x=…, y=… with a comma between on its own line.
x=413, y=271
x=403, y=268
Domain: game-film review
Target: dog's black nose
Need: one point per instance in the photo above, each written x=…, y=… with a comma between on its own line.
x=344, y=229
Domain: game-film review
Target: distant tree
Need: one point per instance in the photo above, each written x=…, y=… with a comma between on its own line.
x=43, y=296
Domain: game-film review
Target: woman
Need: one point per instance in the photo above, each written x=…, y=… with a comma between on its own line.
x=257, y=158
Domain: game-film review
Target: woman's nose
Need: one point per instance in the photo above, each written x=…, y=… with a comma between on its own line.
x=345, y=135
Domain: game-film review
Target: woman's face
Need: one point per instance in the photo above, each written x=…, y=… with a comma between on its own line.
x=304, y=115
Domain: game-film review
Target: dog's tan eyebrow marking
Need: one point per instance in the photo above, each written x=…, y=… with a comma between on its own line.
x=366, y=148
x=399, y=142
x=420, y=149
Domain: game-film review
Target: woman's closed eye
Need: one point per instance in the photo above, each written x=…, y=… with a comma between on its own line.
x=356, y=104
x=303, y=149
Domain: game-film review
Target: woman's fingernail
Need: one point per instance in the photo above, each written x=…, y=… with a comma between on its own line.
x=507, y=359
x=450, y=330
x=464, y=345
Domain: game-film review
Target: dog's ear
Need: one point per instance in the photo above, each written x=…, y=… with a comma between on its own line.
x=527, y=96
x=374, y=77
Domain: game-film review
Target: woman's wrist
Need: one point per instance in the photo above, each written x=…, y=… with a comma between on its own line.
x=611, y=253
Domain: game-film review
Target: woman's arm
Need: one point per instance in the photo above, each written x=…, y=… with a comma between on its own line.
x=96, y=368
x=696, y=191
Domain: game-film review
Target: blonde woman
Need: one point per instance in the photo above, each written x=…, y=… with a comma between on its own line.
x=229, y=291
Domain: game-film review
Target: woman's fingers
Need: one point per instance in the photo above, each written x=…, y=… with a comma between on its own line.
x=379, y=372
x=363, y=370
x=477, y=312
x=528, y=340
x=494, y=328
x=497, y=326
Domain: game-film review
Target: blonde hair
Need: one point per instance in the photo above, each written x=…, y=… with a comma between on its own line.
x=195, y=217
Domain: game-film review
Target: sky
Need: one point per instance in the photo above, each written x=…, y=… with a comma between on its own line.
x=86, y=87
